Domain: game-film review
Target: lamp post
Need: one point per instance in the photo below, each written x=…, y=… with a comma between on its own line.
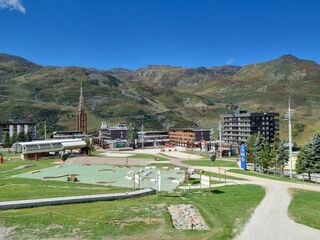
x=288, y=117
x=290, y=138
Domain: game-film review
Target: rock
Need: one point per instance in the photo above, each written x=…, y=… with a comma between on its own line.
x=187, y=216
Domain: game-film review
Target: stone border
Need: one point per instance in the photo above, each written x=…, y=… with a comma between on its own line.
x=73, y=199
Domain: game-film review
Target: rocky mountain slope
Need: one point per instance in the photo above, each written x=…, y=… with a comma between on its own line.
x=160, y=96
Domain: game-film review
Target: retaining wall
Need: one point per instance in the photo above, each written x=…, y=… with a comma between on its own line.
x=73, y=199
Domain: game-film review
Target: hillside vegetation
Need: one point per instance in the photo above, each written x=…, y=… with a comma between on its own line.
x=160, y=96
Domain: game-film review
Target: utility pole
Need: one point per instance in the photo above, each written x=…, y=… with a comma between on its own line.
x=220, y=144
x=142, y=144
x=290, y=138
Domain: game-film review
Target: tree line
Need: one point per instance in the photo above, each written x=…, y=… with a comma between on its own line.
x=265, y=156
x=20, y=137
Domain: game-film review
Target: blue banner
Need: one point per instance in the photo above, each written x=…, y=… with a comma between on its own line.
x=243, y=156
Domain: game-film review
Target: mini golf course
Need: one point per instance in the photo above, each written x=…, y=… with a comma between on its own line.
x=114, y=175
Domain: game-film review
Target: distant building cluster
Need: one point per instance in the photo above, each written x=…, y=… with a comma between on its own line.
x=235, y=130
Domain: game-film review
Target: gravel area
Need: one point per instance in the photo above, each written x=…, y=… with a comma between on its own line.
x=187, y=216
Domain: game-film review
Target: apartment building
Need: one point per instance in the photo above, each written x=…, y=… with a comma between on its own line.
x=153, y=138
x=237, y=127
x=16, y=127
x=189, y=137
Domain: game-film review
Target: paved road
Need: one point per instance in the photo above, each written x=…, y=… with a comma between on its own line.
x=270, y=220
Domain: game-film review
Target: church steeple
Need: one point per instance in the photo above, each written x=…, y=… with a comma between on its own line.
x=81, y=121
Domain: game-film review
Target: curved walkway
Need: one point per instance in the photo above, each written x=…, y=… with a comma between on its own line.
x=270, y=219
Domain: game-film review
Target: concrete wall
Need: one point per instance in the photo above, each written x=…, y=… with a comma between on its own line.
x=73, y=199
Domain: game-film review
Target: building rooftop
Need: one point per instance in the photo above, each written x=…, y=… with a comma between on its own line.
x=48, y=141
x=190, y=129
x=153, y=131
x=18, y=122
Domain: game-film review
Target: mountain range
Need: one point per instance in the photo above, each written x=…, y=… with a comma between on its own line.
x=161, y=96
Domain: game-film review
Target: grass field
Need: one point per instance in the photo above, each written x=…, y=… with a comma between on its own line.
x=8, y=155
x=145, y=217
x=149, y=156
x=222, y=176
x=263, y=175
x=217, y=163
x=305, y=207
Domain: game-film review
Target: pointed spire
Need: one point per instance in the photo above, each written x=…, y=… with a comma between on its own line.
x=81, y=121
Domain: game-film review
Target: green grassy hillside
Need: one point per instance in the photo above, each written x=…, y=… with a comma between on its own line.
x=161, y=96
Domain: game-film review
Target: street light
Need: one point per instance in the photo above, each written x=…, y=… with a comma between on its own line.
x=288, y=117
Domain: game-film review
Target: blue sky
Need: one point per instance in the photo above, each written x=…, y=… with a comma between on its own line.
x=134, y=33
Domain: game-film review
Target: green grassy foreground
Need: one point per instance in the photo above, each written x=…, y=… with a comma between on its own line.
x=305, y=207
x=208, y=163
x=267, y=176
x=145, y=217
x=222, y=176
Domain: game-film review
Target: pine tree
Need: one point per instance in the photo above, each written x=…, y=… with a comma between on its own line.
x=7, y=140
x=14, y=138
x=282, y=156
x=309, y=157
x=258, y=146
x=251, y=147
x=21, y=137
x=132, y=134
x=264, y=155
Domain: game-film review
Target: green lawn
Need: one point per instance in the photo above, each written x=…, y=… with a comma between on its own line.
x=149, y=156
x=222, y=176
x=217, y=163
x=8, y=155
x=96, y=153
x=225, y=210
x=19, y=188
x=305, y=207
x=264, y=175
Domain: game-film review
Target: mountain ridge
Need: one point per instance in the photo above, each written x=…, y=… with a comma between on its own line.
x=160, y=96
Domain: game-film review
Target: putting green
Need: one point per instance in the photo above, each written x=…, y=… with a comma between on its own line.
x=119, y=176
